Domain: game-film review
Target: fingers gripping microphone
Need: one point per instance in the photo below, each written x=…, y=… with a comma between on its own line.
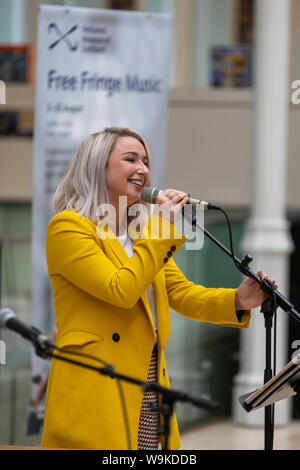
x=150, y=195
x=9, y=321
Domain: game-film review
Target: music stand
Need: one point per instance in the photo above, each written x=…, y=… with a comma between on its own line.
x=284, y=384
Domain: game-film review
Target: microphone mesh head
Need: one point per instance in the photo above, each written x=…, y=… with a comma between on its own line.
x=149, y=194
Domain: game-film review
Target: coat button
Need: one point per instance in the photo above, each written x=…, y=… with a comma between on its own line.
x=116, y=337
x=173, y=247
x=166, y=260
x=169, y=253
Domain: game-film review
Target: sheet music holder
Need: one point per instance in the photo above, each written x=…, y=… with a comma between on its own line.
x=284, y=384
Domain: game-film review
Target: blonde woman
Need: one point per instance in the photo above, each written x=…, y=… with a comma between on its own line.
x=112, y=294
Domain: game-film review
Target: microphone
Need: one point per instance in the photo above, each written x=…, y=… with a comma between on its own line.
x=9, y=321
x=150, y=195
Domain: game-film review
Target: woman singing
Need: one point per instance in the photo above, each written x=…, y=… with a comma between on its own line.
x=112, y=291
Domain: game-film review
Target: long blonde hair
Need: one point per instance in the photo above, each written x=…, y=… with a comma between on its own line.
x=83, y=187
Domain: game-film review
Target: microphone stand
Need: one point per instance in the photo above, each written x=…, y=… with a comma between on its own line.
x=169, y=397
x=268, y=308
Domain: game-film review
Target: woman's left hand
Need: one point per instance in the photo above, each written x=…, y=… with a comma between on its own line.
x=249, y=294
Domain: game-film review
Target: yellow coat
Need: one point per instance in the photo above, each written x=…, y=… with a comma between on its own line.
x=102, y=309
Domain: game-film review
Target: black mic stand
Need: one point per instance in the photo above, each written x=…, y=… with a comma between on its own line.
x=268, y=308
x=169, y=397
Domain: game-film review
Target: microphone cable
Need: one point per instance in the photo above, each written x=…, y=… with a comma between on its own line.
x=125, y=414
x=274, y=298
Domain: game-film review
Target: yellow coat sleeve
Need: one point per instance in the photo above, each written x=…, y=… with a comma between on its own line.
x=74, y=252
x=213, y=305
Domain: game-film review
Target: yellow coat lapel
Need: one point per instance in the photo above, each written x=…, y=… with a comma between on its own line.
x=116, y=253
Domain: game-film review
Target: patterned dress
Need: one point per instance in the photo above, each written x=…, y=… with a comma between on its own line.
x=149, y=420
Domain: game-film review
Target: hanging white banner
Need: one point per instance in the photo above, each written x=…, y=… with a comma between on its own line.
x=95, y=68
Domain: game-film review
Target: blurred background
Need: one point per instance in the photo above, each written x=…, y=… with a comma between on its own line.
x=233, y=138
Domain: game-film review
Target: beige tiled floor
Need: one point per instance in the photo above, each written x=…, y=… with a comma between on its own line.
x=223, y=435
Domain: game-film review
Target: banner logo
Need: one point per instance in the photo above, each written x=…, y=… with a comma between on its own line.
x=63, y=37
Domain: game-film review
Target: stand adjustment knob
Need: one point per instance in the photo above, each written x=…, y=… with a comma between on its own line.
x=247, y=259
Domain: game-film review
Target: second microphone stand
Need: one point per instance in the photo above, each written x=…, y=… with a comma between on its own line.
x=169, y=396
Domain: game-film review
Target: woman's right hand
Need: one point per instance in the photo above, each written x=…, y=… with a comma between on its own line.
x=170, y=202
